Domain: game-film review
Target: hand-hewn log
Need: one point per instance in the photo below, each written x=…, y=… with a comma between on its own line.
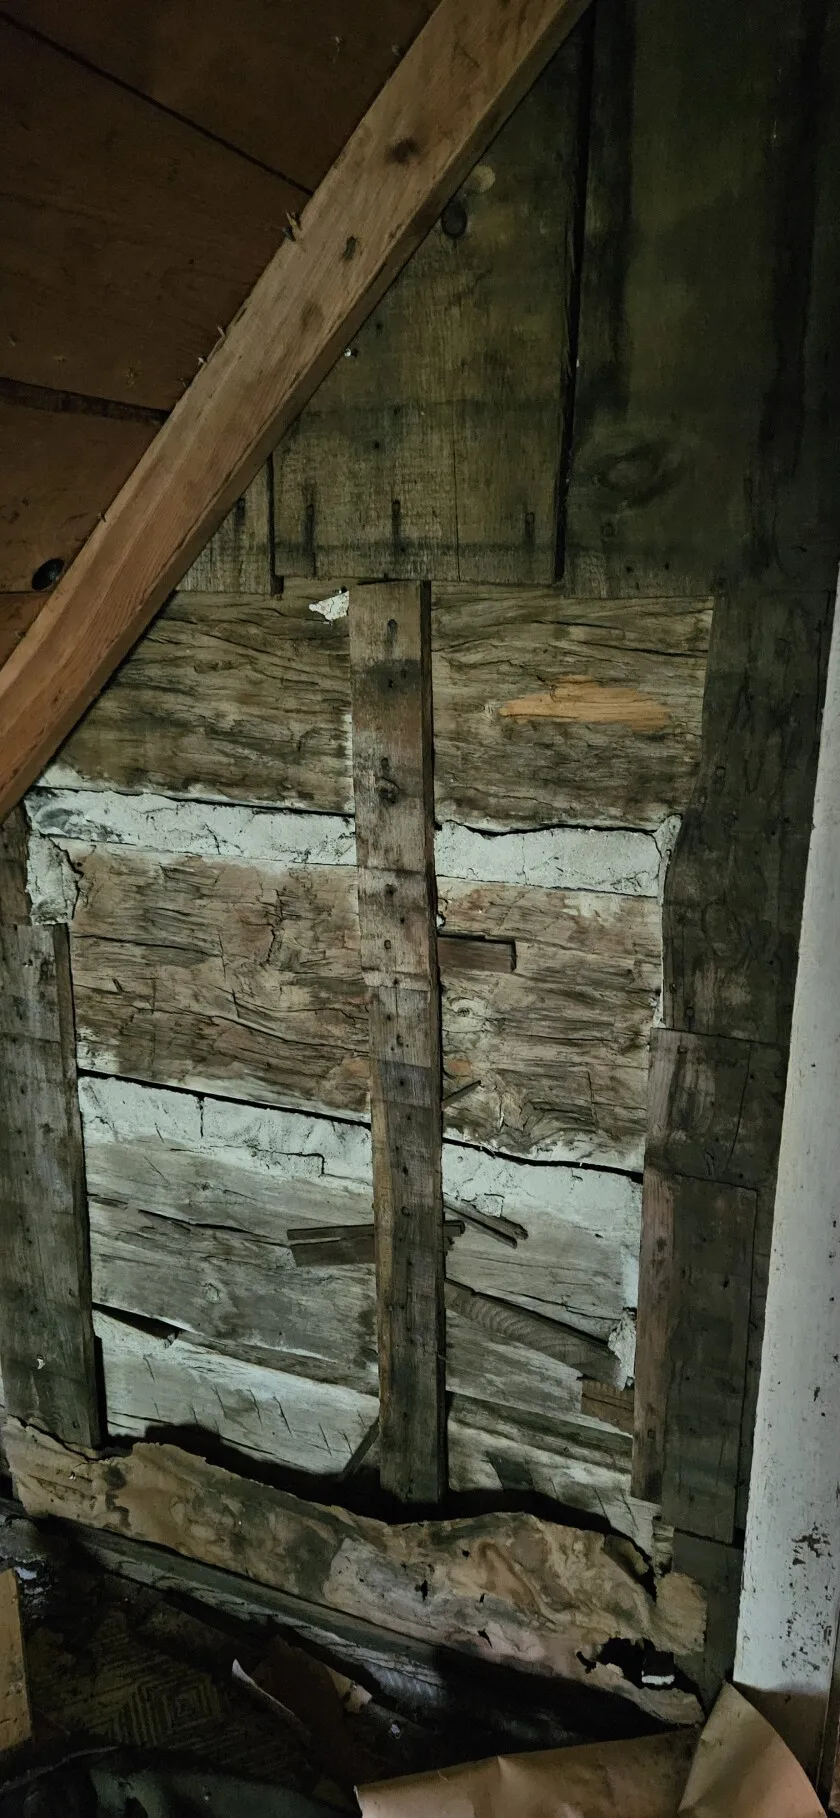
x=510, y=1588
x=390, y=658
x=461, y=78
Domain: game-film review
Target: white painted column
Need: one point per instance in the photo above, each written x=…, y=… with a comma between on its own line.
x=789, y=1606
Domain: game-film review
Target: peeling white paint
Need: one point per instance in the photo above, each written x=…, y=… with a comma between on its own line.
x=50, y=880
x=290, y=1144
x=335, y=606
x=617, y=861
x=622, y=1343
x=621, y=861
x=160, y=823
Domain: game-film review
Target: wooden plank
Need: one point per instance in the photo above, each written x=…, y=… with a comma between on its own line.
x=654, y=1327
x=60, y=472
x=690, y=468
x=715, y=1112
x=188, y=711
x=563, y=1595
x=734, y=894
x=246, y=981
x=436, y=448
x=116, y=202
x=15, y=1720
x=390, y=658
x=366, y=219
x=239, y=556
x=715, y=1107
x=693, y=1316
x=150, y=1175
x=46, y=1337
x=233, y=79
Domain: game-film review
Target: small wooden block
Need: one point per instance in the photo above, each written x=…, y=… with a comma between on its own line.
x=15, y=1719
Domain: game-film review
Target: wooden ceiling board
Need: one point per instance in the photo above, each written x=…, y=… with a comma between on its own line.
x=284, y=82
x=128, y=238
x=58, y=473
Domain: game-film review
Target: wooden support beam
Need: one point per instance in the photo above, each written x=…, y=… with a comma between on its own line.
x=503, y=1587
x=46, y=1328
x=451, y=92
x=391, y=671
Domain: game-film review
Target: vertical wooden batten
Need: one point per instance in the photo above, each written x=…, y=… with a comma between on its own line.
x=46, y=1330
x=390, y=655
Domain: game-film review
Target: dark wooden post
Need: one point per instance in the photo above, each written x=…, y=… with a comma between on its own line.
x=46, y=1328
x=392, y=776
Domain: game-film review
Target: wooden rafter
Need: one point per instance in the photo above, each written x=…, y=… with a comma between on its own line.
x=463, y=75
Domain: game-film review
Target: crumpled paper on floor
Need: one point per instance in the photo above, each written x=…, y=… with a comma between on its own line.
x=736, y=1767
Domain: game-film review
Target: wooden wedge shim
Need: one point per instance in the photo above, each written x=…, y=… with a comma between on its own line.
x=471, y=64
x=535, y=1594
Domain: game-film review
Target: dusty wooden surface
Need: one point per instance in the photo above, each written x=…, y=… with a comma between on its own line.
x=361, y=226
x=705, y=338
x=393, y=757
x=15, y=1721
x=436, y=447
x=246, y=981
x=529, y=1591
x=239, y=558
x=249, y=698
x=46, y=1335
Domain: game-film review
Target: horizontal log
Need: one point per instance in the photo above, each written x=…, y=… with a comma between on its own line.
x=546, y=709
x=510, y=1587
x=246, y=981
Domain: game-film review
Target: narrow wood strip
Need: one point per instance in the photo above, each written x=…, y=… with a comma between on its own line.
x=390, y=659
x=461, y=78
x=654, y=1319
x=46, y=1329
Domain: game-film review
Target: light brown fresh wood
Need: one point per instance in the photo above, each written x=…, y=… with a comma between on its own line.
x=506, y=1587
x=15, y=1722
x=451, y=92
x=391, y=674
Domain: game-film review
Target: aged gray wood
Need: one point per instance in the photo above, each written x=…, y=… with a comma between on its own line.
x=694, y=1304
x=238, y=558
x=715, y=1106
x=552, y=1596
x=46, y=1335
x=546, y=709
x=247, y=982
x=391, y=670
x=707, y=338
x=436, y=446
x=154, y=1202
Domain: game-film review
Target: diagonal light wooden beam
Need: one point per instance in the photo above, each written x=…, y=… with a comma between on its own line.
x=472, y=63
